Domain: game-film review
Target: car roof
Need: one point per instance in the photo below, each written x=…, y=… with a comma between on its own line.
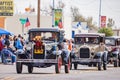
x=45, y=29
x=114, y=37
x=90, y=35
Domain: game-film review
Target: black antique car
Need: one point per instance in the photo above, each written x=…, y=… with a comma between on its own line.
x=113, y=42
x=43, y=50
x=84, y=52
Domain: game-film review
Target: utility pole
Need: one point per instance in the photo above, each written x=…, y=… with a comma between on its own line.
x=53, y=9
x=38, y=14
x=99, y=25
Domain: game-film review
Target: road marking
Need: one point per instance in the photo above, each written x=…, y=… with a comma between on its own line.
x=8, y=78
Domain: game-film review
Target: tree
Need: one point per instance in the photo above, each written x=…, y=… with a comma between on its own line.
x=110, y=23
x=108, y=31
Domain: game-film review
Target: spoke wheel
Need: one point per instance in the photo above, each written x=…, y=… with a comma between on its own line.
x=58, y=65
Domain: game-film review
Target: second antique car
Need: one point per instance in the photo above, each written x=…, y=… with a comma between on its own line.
x=113, y=42
x=84, y=54
x=43, y=50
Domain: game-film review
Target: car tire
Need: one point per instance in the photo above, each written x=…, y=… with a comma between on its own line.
x=119, y=63
x=30, y=69
x=75, y=66
x=115, y=63
x=104, y=66
x=19, y=67
x=58, y=65
x=90, y=64
x=67, y=66
x=99, y=66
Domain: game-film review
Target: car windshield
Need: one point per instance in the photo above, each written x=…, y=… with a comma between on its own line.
x=51, y=36
x=110, y=42
x=89, y=40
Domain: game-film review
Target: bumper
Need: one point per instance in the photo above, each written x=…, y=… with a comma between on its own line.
x=38, y=60
x=86, y=60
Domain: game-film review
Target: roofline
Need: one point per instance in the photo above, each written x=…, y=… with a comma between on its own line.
x=51, y=29
x=89, y=34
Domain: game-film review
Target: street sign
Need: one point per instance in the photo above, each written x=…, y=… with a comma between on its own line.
x=23, y=21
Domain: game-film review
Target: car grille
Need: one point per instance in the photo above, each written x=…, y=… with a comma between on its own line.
x=84, y=53
x=39, y=54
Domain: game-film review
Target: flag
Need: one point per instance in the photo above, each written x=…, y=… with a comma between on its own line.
x=27, y=23
x=60, y=24
x=78, y=24
x=86, y=28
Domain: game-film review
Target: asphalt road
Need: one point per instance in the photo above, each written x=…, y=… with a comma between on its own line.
x=8, y=72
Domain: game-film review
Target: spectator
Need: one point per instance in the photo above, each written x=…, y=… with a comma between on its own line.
x=1, y=45
x=7, y=53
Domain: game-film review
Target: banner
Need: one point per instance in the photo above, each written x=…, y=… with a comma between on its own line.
x=103, y=21
x=58, y=18
x=6, y=7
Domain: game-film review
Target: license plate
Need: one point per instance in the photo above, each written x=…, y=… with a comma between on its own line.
x=38, y=51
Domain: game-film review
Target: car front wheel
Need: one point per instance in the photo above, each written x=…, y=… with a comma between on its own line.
x=19, y=67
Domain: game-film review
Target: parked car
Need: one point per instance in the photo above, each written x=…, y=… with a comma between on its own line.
x=43, y=50
x=84, y=54
x=113, y=42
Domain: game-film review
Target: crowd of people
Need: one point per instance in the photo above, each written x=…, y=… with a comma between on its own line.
x=8, y=46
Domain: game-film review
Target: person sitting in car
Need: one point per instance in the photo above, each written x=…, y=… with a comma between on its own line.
x=101, y=51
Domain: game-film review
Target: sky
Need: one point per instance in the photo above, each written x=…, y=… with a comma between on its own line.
x=88, y=8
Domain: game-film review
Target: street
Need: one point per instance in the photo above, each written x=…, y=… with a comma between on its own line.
x=8, y=72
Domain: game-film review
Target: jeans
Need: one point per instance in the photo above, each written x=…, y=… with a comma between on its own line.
x=7, y=55
x=102, y=55
x=65, y=54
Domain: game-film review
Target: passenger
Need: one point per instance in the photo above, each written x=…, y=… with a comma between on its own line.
x=66, y=51
x=53, y=37
x=6, y=54
x=101, y=51
x=19, y=44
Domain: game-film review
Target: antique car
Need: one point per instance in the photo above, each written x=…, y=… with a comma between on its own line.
x=43, y=50
x=84, y=53
x=113, y=42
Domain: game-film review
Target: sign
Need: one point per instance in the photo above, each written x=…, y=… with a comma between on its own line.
x=103, y=21
x=23, y=21
x=6, y=7
x=58, y=16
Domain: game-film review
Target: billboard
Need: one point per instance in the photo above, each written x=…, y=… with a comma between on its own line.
x=103, y=21
x=58, y=18
x=6, y=7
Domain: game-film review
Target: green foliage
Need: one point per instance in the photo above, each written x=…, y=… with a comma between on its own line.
x=108, y=31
